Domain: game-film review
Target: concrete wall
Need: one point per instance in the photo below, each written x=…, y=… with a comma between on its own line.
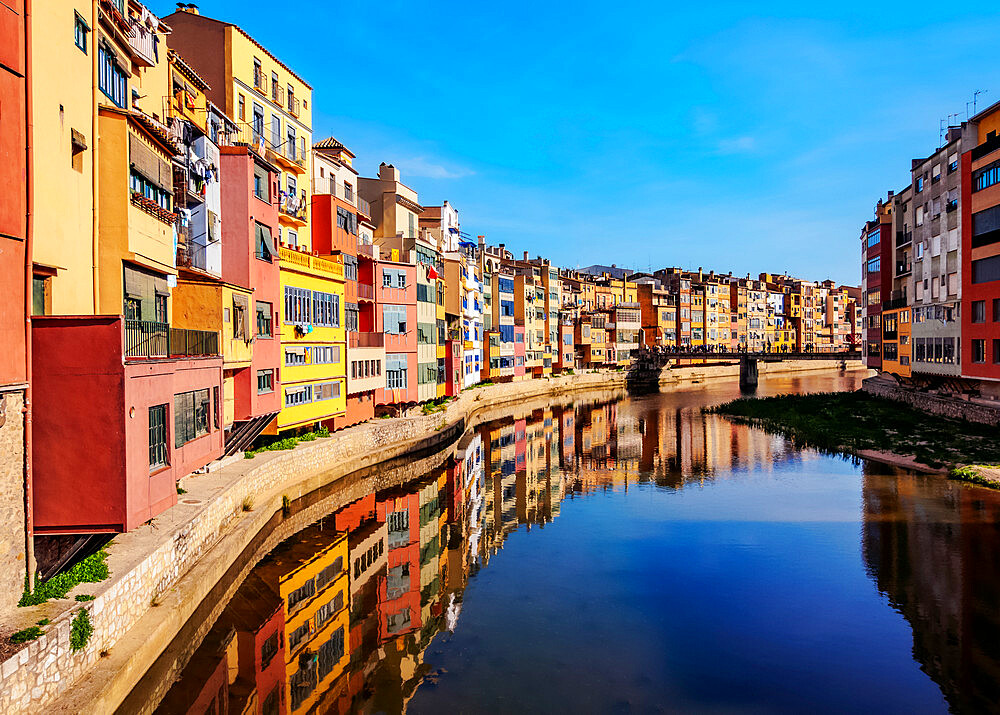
x=953, y=407
x=12, y=536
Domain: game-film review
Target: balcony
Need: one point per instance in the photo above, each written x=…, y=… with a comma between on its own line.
x=366, y=292
x=313, y=263
x=903, y=238
x=259, y=81
x=151, y=339
x=903, y=268
x=141, y=40
x=294, y=105
x=277, y=93
x=293, y=207
x=365, y=340
x=364, y=207
x=366, y=249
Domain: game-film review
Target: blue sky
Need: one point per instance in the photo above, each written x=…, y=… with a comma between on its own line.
x=731, y=136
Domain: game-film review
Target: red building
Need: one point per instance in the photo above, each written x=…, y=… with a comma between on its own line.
x=980, y=206
x=520, y=352
x=877, y=257
x=15, y=392
x=399, y=592
x=141, y=418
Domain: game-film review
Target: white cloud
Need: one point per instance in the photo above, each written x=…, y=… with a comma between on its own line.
x=736, y=145
x=428, y=168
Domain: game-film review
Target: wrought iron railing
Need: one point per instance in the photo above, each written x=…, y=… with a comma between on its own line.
x=153, y=339
x=365, y=340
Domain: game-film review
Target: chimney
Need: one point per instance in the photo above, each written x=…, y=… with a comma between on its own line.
x=700, y=275
x=525, y=256
x=188, y=7
x=388, y=172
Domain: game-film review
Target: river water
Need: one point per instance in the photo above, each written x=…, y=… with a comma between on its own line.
x=635, y=555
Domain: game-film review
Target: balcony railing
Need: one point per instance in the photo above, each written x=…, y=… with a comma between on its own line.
x=366, y=249
x=259, y=81
x=277, y=93
x=294, y=105
x=141, y=40
x=903, y=267
x=152, y=339
x=293, y=206
x=366, y=292
x=366, y=340
x=364, y=207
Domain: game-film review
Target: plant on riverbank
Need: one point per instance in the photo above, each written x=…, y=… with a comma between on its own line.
x=92, y=569
x=971, y=473
x=43, y=622
x=436, y=405
x=288, y=442
x=28, y=634
x=80, y=630
x=857, y=421
x=81, y=597
x=247, y=504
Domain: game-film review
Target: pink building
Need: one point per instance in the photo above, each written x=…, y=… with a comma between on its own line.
x=396, y=318
x=519, y=352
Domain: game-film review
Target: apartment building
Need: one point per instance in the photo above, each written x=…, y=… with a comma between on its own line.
x=396, y=319
x=937, y=279
x=339, y=220
x=979, y=220
x=107, y=358
x=15, y=396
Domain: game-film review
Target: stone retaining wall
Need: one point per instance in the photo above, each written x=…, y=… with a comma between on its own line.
x=944, y=406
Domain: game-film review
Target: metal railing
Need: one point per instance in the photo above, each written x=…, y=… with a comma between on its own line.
x=153, y=339
x=366, y=291
x=294, y=105
x=903, y=267
x=364, y=207
x=365, y=340
x=141, y=40
x=259, y=81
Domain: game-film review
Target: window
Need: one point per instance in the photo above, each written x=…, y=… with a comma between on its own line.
x=261, y=183
x=996, y=310
x=979, y=351
x=80, y=32
x=875, y=265
x=996, y=351
x=269, y=649
x=873, y=238
x=157, y=436
x=40, y=295
x=139, y=184
x=979, y=311
x=295, y=356
x=160, y=308
x=331, y=653
x=326, y=391
x=111, y=76
x=265, y=382
x=986, y=177
x=918, y=185
x=347, y=221
x=326, y=309
x=264, y=328
x=298, y=395
x=298, y=305
x=191, y=410
x=241, y=103
x=986, y=269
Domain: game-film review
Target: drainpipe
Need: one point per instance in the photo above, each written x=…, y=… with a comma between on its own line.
x=93, y=154
x=29, y=545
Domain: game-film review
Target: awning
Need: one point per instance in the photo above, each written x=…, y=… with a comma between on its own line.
x=264, y=236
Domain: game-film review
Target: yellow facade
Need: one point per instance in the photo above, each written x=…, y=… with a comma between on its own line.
x=64, y=143
x=305, y=272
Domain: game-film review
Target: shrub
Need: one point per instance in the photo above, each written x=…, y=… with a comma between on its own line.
x=247, y=504
x=80, y=630
x=92, y=569
x=84, y=597
x=28, y=634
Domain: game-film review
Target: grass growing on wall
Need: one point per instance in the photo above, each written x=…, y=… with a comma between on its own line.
x=92, y=569
x=288, y=442
x=855, y=421
x=80, y=630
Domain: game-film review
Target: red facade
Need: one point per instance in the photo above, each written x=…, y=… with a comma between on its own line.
x=388, y=292
x=92, y=426
x=242, y=210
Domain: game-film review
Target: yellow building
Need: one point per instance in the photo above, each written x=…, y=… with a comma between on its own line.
x=310, y=575
x=313, y=339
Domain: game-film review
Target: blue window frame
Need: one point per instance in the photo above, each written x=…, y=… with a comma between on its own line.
x=80, y=32
x=112, y=78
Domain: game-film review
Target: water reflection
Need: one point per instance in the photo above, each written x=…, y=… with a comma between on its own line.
x=341, y=617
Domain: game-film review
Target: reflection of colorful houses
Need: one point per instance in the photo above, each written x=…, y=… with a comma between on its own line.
x=257, y=617
x=399, y=593
x=310, y=576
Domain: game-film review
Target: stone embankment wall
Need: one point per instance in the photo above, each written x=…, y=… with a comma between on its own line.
x=695, y=373
x=942, y=405
x=13, y=543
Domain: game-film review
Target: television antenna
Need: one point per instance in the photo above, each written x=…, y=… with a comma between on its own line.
x=975, y=101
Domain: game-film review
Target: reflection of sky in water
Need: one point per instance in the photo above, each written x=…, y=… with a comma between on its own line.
x=642, y=556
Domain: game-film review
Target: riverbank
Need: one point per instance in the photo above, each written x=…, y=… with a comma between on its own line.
x=871, y=427
x=163, y=571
